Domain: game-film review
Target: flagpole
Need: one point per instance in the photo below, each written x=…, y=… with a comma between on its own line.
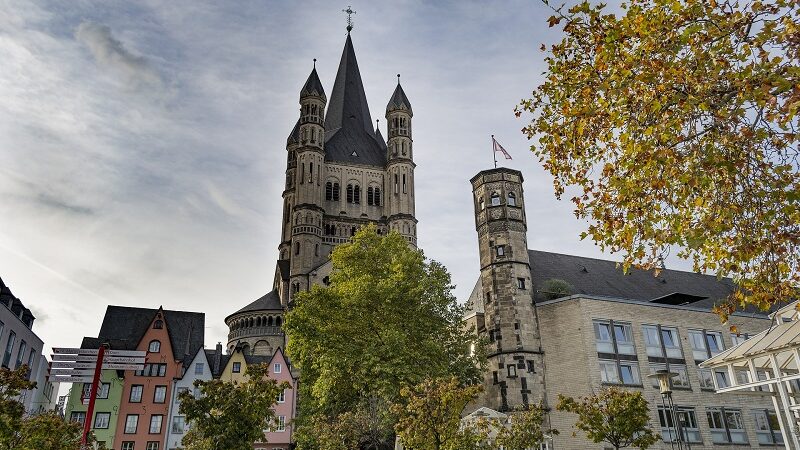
x=494, y=153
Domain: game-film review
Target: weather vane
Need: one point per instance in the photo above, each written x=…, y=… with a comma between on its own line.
x=350, y=13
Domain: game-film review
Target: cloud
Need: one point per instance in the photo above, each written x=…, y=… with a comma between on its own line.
x=55, y=202
x=136, y=71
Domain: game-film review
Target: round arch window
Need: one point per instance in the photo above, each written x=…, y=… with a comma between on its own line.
x=154, y=347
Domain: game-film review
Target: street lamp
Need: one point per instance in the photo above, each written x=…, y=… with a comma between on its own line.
x=664, y=378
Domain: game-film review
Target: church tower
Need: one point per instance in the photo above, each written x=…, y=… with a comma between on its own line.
x=514, y=374
x=400, y=166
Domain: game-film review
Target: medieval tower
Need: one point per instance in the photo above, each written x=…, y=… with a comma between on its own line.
x=340, y=175
x=514, y=372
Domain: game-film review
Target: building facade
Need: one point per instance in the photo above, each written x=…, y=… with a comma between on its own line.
x=106, y=406
x=19, y=345
x=564, y=324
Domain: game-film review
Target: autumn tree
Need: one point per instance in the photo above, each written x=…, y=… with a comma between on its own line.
x=617, y=417
x=429, y=415
x=525, y=430
x=12, y=383
x=230, y=415
x=674, y=123
x=49, y=431
x=387, y=319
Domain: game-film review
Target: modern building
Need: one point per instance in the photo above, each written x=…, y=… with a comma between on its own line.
x=133, y=411
x=45, y=396
x=19, y=345
x=564, y=324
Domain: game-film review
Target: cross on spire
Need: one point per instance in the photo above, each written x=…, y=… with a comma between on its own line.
x=349, y=11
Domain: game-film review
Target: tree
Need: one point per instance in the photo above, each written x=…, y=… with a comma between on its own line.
x=231, y=415
x=429, y=415
x=49, y=431
x=12, y=383
x=525, y=430
x=620, y=418
x=675, y=126
x=387, y=319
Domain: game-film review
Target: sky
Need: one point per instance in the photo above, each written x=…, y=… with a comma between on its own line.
x=142, y=143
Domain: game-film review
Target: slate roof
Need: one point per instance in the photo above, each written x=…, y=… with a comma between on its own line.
x=399, y=100
x=283, y=267
x=124, y=326
x=294, y=136
x=13, y=303
x=313, y=86
x=268, y=302
x=603, y=278
x=217, y=360
x=349, y=136
x=379, y=138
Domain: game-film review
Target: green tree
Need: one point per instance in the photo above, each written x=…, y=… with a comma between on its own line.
x=620, y=418
x=429, y=415
x=49, y=431
x=525, y=430
x=675, y=126
x=231, y=415
x=387, y=319
x=12, y=383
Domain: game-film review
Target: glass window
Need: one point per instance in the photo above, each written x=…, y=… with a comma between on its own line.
x=178, y=424
x=23, y=346
x=512, y=199
x=102, y=390
x=237, y=367
x=160, y=394
x=672, y=342
x=721, y=377
x=154, y=347
x=495, y=199
x=688, y=424
x=630, y=372
x=699, y=350
x=155, y=423
x=714, y=340
x=276, y=368
x=101, y=420
x=652, y=341
x=608, y=371
x=199, y=368
x=12, y=339
x=78, y=416
x=281, y=423
x=768, y=430
x=726, y=426
x=127, y=445
x=737, y=339
x=136, y=393
x=602, y=334
x=623, y=333
x=501, y=250
x=178, y=394
x=131, y=423
x=706, y=378
x=152, y=445
x=681, y=380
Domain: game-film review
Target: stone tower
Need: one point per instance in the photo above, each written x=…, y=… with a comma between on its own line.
x=514, y=374
x=400, y=165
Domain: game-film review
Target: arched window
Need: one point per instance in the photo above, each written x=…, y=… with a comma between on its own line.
x=357, y=194
x=296, y=288
x=287, y=212
x=336, y=192
x=349, y=193
x=377, y=196
x=158, y=324
x=258, y=322
x=302, y=172
x=154, y=347
x=395, y=183
x=352, y=231
x=370, y=196
x=495, y=200
x=512, y=199
x=404, y=184
x=278, y=322
x=328, y=191
x=296, y=248
x=269, y=321
x=316, y=249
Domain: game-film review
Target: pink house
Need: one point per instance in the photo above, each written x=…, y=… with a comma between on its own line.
x=279, y=436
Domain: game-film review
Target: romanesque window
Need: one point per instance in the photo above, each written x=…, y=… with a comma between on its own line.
x=377, y=196
x=404, y=183
x=357, y=194
x=328, y=191
x=403, y=126
x=311, y=172
x=349, y=193
x=512, y=199
x=154, y=347
x=370, y=196
x=395, y=183
x=296, y=248
x=158, y=324
x=495, y=199
x=316, y=249
x=302, y=172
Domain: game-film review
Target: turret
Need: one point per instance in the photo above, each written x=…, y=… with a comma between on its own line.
x=514, y=371
x=307, y=191
x=400, y=166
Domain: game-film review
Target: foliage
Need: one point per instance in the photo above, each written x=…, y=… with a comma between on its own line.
x=49, y=431
x=368, y=425
x=676, y=125
x=429, y=415
x=556, y=288
x=12, y=383
x=231, y=415
x=387, y=319
x=525, y=431
x=620, y=418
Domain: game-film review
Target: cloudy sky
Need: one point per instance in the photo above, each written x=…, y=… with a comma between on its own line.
x=142, y=143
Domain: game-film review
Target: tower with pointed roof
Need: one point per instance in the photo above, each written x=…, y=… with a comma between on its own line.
x=340, y=175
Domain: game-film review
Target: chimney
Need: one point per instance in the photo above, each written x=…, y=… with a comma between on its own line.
x=217, y=357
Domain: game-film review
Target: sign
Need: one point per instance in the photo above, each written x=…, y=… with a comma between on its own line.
x=123, y=360
x=113, y=366
x=71, y=372
x=74, y=351
x=71, y=365
x=62, y=379
x=74, y=358
x=134, y=353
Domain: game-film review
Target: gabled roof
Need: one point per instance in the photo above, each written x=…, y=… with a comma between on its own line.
x=217, y=362
x=270, y=301
x=399, y=100
x=123, y=327
x=379, y=138
x=603, y=278
x=349, y=136
x=313, y=86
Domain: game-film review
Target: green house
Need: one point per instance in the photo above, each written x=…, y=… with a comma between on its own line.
x=106, y=406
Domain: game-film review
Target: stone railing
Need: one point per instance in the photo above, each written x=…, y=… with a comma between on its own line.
x=255, y=331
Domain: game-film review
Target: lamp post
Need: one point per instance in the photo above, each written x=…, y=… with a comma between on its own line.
x=664, y=378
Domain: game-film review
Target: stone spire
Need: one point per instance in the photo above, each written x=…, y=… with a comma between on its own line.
x=348, y=105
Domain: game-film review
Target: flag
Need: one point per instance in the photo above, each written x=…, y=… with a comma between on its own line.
x=499, y=148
